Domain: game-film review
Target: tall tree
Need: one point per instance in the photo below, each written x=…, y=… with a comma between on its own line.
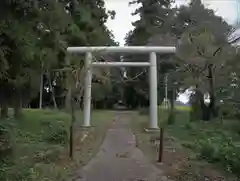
x=203, y=49
x=34, y=36
x=155, y=20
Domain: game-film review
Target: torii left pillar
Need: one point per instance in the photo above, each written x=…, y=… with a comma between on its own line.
x=87, y=90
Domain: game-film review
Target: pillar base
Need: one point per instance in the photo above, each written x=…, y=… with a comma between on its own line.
x=85, y=127
x=151, y=130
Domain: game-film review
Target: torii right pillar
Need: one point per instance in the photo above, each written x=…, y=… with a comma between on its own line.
x=153, y=91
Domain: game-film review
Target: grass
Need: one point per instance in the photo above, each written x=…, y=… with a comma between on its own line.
x=144, y=139
x=179, y=108
x=217, y=142
x=38, y=145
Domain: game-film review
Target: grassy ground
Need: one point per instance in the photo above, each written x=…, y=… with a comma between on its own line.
x=188, y=145
x=38, y=150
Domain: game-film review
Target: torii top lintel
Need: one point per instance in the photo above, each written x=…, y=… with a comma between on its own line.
x=123, y=49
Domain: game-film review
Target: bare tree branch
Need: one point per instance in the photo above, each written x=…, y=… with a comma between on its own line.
x=229, y=43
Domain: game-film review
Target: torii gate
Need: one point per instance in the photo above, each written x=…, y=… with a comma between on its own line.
x=152, y=64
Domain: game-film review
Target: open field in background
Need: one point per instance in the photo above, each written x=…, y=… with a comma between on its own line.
x=163, y=112
x=189, y=144
x=179, y=108
x=39, y=143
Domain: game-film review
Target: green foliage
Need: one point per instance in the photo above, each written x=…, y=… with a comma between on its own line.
x=56, y=132
x=40, y=149
x=206, y=60
x=196, y=112
x=220, y=150
x=48, y=156
x=153, y=28
x=228, y=111
x=37, y=139
x=34, y=36
x=171, y=117
x=7, y=140
x=215, y=142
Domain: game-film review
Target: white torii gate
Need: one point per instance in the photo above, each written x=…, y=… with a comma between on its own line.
x=152, y=64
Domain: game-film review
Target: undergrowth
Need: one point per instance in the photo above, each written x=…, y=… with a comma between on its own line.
x=35, y=148
x=216, y=141
x=30, y=147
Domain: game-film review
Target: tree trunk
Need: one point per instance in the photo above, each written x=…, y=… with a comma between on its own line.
x=67, y=100
x=4, y=90
x=4, y=110
x=171, y=118
x=73, y=119
x=203, y=112
x=212, y=105
x=199, y=109
x=68, y=87
x=18, y=105
x=41, y=91
x=52, y=89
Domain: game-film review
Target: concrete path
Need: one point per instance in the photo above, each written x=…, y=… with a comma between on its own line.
x=119, y=159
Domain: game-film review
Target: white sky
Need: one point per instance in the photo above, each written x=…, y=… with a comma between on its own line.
x=121, y=25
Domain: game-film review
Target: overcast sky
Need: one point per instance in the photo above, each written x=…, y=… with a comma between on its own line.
x=121, y=25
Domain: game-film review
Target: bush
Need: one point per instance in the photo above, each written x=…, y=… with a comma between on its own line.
x=49, y=155
x=58, y=137
x=229, y=111
x=188, y=126
x=56, y=133
x=6, y=139
x=220, y=150
x=195, y=113
x=217, y=142
x=16, y=171
x=171, y=117
x=207, y=150
x=234, y=126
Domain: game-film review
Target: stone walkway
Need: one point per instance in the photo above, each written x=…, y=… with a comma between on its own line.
x=119, y=159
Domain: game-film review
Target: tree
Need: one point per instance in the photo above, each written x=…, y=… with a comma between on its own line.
x=36, y=34
x=155, y=21
x=17, y=37
x=206, y=48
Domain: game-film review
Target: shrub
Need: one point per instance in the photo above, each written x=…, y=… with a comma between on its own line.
x=58, y=137
x=229, y=111
x=47, y=156
x=6, y=139
x=16, y=171
x=207, y=150
x=56, y=132
x=195, y=113
x=171, y=118
x=188, y=126
x=220, y=150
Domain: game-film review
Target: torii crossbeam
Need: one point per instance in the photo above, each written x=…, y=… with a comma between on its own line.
x=152, y=64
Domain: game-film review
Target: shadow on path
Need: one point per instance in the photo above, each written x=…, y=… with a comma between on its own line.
x=119, y=159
